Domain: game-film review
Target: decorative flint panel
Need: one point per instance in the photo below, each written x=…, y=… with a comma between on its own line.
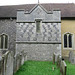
x=48, y=32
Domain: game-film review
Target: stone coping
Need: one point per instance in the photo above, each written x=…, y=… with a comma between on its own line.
x=34, y=21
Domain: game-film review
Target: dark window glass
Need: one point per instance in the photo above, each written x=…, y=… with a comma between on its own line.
x=2, y=41
x=70, y=40
x=65, y=40
x=37, y=26
x=6, y=42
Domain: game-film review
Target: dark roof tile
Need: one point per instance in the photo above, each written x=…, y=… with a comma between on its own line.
x=67, y=9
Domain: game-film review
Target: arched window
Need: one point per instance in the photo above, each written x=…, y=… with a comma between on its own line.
x=68, y=40
x=3, y=41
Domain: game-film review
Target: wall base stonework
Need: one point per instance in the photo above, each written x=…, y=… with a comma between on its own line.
x=41, y=52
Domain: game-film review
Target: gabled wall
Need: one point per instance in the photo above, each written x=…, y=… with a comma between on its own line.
x=38, y=12
x=38, y=45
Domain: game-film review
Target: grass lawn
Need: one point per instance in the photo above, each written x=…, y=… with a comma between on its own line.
x=38, y=68
x=70, y=68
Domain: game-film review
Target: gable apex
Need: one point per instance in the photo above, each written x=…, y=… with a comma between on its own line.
x=38, y=5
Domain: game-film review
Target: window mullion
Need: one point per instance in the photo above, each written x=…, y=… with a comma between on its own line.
x=68, y=40
x=71, y=40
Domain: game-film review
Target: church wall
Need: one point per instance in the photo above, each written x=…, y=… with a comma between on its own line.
x=67, y=26
x=47, y=37
x=8, y=26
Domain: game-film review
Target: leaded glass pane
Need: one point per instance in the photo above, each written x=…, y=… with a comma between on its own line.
x=70, y=40
x=2, y=40
x=6, y=42
x=65, y=40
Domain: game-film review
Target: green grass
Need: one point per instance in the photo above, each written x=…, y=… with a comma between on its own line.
x=70, y=68
x=38, y=68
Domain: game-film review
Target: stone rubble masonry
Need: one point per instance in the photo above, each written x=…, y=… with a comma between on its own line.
x=42, y=52
x=8, y=26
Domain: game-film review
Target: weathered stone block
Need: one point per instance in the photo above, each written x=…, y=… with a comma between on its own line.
x=72, y=57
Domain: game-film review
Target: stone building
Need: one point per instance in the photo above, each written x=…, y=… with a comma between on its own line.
x=36, y=29
x=38, y=32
